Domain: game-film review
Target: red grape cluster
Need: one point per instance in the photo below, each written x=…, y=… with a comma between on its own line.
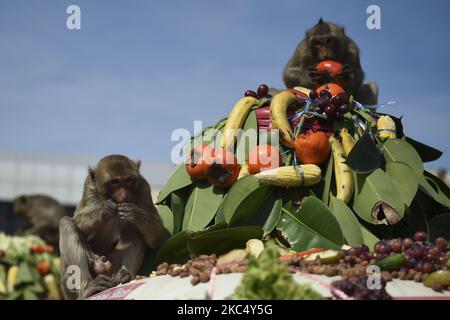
x=356, y=287
x=333, y=106
x=261, y=92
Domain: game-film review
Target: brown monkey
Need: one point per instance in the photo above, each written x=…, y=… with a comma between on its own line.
x=113, y=224
x=327, y=41
x=42, y=214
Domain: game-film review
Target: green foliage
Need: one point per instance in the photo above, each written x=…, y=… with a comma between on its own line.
x=267, y=279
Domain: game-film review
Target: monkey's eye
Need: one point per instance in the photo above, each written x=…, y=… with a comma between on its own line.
x=329, y=41
x=316, y=43
x=114, y=182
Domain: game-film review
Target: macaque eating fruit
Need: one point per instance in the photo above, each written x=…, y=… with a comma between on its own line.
x=328, y=42
x=113, y=225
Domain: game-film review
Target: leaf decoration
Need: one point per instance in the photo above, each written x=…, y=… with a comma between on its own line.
x=439, y=226
x=377, y=200
x=174, y=248
x=274, y=216
x=397, y=150
x=221, y=241
x=369, y=239
x=404, y=179
x=201, y=206
x=178, y=202
x=425, y=152
x=237, y=194
x=431, y=189
x=364, y=156
x=300, y=236
x=349, y=224
x=166, y=216
x=178, y=180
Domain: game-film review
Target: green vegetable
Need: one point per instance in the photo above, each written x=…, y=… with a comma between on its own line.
x=393, y=262
x=441, y=277
x=267, y=279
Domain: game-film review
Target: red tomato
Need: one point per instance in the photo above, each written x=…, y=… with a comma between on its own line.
x=200, y=159
x=263, y=157
x=37, y=248
x=43, y=267
x=48, y=248
x=330, y=66
x=333, y=88
x=223, y=172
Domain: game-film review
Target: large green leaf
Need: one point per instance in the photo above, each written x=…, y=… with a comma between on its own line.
x=439, y=226
x=425, y=152
x=166, y=216
x=300, y=236
x=274, y=215
x=174, y=248
x=178, y=179
x=348, y=222
x=432, y=190
x=397, y=150
x=442, y=187
x=237, y=193
x=249, y=206
x=369, y=239
x=364, y=156
x=221, y=241
x=201, y=206
x=375, y=194
x=404, y=179
x=178, y=203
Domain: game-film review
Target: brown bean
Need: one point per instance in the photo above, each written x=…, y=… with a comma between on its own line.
x=195, y=280
x=164, y=265
x=204, y=277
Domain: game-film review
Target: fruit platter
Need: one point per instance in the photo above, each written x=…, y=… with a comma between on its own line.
x=308, y=170
x=29, y=269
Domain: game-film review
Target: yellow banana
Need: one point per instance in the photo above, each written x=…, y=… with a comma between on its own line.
x=278, y=116
x=235, y=121
x=386, y=127
x=347, y=141
x=244, y=171
x=303, y=90
x=342, y=172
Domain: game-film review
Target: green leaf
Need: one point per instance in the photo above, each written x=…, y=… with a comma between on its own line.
x=174, y=248
x=29, y=295
x=348, y=222
x=364, y=156
x=166, y=216
x=201, y=206
x=221, y=241
x=237, y=193
x=430, y=188
x=249, y=206
x=425, y=152
x=328, y=178
x=178, y=179
x=24, y=274
x=274, y=216
x=368, y=237
x=397, y=150
x=178, y=203
x=441, y=185
x=439, y=226
x=36, y=287
x=376, y=192
x=366, y=116
x=404, y=179
x=300, y=236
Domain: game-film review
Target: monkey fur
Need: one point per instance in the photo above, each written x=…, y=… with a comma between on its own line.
x=328, y=41
x=113, y=225
x=42, y=214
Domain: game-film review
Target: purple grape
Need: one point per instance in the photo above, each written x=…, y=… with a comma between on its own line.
x=262, y=91
x=420, y=236
x=427, y=267
x=250, y=93
x=414, y=252
x=344, y=108
x=397, y=245
x=411, y=263
x=440, y=242
x=407, y=243
x=325, y=93
x=330, y=110
x=313, y=95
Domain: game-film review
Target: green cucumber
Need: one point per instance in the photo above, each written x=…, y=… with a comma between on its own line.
x=391, y=263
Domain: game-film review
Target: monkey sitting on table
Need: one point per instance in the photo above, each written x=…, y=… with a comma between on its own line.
x=113, y=225
x=327, y=41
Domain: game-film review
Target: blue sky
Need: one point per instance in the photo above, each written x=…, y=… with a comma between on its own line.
x=139, y=69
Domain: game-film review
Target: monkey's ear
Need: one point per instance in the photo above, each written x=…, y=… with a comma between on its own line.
x=91, y=174
x=138, y=164
x=320, y=20
x=22, y=199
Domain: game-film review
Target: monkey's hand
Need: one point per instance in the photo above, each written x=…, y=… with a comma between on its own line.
x=122, y=276
x=319, y=78
x=110, y=208
x=346, y=74
x=99, y=284
x=129, y=212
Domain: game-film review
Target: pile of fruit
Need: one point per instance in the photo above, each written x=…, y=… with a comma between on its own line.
x=308, y=168
x=28, y=269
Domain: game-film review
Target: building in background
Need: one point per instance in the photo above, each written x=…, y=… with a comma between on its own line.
x=60, y=177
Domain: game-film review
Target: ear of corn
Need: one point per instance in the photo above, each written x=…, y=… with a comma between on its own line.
x=244, y=171
x=347, y=141
x=52, y=287
x=290, y=176
x=12, y=278
x=386, y=128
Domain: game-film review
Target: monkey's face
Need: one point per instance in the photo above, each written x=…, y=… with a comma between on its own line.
x=325, y=47
x=20, y=206
x=116, y=178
